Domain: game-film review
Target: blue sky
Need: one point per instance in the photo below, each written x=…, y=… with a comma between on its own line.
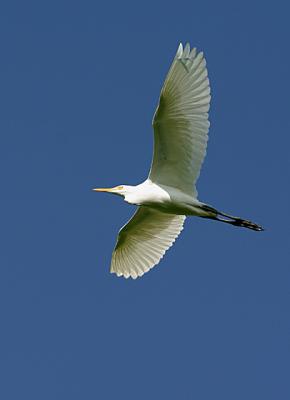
x=79, y=85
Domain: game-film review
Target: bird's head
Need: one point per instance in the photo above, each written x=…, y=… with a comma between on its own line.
x=121, y=190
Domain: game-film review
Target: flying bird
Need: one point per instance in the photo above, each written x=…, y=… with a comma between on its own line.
x=169, y=193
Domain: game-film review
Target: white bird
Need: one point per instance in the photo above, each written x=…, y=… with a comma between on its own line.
x=169, y=193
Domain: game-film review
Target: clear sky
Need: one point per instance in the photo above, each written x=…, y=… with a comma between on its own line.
x=79, y=84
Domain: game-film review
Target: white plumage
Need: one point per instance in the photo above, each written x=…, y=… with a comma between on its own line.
x=169, y=194
x=143, y=241
x=181, y=122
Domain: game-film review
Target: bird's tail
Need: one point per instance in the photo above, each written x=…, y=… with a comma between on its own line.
x=230, y=219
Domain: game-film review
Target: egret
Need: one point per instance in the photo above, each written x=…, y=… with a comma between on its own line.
x=169, y=193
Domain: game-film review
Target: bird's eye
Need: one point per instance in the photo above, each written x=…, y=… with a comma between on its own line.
x=120, y=187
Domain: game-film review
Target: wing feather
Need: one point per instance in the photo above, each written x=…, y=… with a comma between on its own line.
x=143, y=241
x=181, y=122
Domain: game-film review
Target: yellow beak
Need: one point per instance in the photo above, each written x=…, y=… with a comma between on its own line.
x=103, y=189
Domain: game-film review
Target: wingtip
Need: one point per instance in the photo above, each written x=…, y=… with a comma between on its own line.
x=179, y=50
x=127, y=276
x=186, y=50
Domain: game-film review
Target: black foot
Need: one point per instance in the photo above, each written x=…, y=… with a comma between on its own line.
x=246, y=224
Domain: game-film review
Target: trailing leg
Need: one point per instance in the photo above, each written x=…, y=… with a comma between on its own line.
x=230, y=219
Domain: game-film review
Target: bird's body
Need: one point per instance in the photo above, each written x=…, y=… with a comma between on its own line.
x=169, y=194
x=165, y=199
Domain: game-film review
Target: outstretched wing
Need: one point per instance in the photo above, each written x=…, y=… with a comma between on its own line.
x=181, y=122
x=143, y=241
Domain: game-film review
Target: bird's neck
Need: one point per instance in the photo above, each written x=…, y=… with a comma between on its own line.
x=132, y=194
